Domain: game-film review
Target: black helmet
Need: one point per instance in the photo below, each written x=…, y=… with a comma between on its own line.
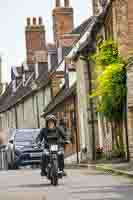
x=51, y=118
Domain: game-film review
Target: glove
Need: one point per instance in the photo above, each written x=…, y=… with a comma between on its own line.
x=67, y=142
x=39, y=145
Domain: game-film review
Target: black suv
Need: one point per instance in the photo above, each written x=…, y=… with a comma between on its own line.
x=26, y=150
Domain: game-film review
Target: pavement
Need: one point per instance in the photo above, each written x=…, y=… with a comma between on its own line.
x=81, y=184
x=121, y=168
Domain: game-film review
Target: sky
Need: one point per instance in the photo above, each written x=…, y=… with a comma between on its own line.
x=13, y=14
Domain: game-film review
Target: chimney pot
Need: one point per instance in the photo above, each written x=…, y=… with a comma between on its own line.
x=28, y=21
x=57, y=3
x=34, y=20
x=40, y=21
x=66, y=3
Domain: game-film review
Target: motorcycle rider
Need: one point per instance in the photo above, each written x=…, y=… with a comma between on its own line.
x=52, y=134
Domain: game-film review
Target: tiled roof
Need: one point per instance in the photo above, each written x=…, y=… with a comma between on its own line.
x=87, y=41
x=19, y=70
x=60, y=97
x=82, y=27
x=8, y=100
x=30, y=67
x=78, y=30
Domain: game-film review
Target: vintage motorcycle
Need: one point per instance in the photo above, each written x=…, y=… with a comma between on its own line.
x=53, y=173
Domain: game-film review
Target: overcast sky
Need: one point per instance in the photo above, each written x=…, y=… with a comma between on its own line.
x=13, y=15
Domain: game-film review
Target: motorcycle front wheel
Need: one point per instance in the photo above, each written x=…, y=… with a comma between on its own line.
x=54, y=173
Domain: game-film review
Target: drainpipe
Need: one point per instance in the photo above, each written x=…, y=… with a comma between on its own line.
x=16, y=118
x=126, y=129
x=126, y=123
x=75, y=127
x=38, y=117
x=92, y=113
x=85, y=58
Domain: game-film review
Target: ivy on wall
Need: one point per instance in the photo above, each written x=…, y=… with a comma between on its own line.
x=110, y=88
x=110, y=84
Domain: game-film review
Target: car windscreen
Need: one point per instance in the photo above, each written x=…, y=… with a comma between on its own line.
x=26, y=136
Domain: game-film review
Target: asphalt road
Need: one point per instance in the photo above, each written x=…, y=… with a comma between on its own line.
x=79, y=185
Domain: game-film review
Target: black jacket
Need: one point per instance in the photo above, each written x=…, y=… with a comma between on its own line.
x=55, y=136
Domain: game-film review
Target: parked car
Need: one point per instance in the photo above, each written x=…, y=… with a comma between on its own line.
x=10, y=155
x=25, y=148
x=7, y=148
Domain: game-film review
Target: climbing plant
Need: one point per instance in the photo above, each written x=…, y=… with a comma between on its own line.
x=110, y=84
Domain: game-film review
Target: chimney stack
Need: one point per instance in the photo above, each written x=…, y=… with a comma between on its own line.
x=62, y=20
x=66, y=3
x=57, y=3
x=35, y=38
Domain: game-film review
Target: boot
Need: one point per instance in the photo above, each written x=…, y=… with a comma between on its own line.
x=43, y=173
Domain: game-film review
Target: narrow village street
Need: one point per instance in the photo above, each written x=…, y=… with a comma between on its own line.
x=66, y=98
x=81, y=184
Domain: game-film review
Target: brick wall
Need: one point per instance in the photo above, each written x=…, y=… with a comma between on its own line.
x=120, y=25
x=62, y=20
x=130, y=27
x=35, y=38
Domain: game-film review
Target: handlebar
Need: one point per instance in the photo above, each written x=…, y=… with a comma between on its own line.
x=47, y=144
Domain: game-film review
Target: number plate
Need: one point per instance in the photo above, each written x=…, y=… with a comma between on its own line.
x=35, y=155
x=54, y=148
